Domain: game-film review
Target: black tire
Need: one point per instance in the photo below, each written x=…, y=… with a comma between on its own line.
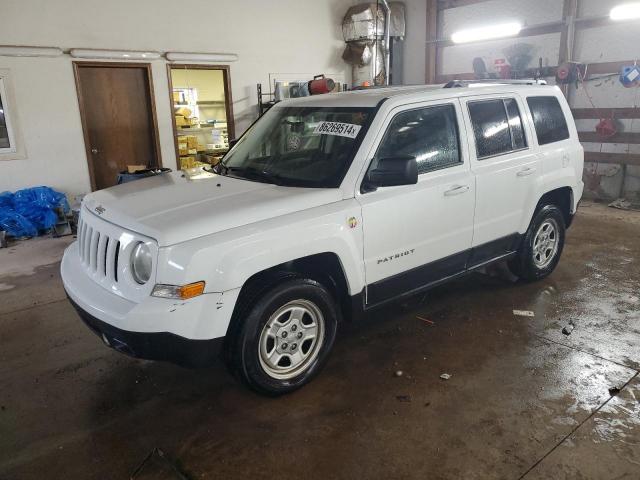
x=530, y=265
x=244, y=349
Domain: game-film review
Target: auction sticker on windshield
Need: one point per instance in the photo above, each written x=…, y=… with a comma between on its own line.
x=336, y=128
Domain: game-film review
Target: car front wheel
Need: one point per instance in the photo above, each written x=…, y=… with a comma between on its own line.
x=286, y=336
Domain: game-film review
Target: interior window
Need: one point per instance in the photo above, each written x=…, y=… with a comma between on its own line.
x=430, y=134
x=548, y=119
x=515, y=124
x=200, y=105
x=490, y=127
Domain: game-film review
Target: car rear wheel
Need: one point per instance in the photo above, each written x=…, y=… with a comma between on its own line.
x=542, y=245
x=286, y=336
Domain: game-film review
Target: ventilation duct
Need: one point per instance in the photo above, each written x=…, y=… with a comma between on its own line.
x=369, y=42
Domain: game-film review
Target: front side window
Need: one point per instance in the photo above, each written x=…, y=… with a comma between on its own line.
x=299, y=146
x=429, y=134
x=497, y=127
x=548, y=119
x=7, y=142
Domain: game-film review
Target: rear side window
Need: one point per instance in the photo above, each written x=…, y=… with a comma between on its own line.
x=430, y=134
x=497, y=127
x=548, y=118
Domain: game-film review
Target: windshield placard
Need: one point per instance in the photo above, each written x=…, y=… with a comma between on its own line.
x=348, y=130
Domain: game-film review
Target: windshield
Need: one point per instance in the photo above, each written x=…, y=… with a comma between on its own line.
x=299, y=146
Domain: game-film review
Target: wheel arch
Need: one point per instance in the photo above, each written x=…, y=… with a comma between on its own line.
x=325, y=268
x=562, y=197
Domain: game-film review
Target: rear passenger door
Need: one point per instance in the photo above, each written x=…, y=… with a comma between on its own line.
x=505, y=168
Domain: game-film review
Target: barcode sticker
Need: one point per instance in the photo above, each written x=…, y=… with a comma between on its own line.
x=336, y=128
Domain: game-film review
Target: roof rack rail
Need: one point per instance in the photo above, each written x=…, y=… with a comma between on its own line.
x=495, y=81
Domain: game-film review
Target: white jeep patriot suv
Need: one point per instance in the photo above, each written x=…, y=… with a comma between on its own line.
x=327, y=207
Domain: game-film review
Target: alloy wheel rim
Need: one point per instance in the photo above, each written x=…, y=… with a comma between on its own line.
x=545, y=243
x=291, y=339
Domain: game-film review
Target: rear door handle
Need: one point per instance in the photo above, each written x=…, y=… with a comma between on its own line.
x=526, y=171
x=456, y=190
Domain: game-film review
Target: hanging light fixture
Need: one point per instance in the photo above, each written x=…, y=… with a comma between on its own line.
x=201, y=57
x=18, y=51
x=626, y=11
x=489, y=32
x=113, y=54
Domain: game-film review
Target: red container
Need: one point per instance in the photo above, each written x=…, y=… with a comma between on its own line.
x=319, y=85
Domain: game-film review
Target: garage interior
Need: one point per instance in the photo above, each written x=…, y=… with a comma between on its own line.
x=486, y=377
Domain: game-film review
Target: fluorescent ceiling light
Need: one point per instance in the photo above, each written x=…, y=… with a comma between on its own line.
x=14, y=51
x=201, y=57
x=113, y=54
x=627, y=11
x=486, y=33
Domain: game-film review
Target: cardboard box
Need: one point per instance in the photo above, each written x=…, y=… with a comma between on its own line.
x=177, y=97
x=184, y=111
x=135, y=168
x=181, y=121
x=192, y=141
x=191, y=162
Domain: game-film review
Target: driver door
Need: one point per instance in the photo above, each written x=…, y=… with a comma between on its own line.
x=416, y=235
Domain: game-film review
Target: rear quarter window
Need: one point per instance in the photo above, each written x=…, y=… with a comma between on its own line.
x=548, y=119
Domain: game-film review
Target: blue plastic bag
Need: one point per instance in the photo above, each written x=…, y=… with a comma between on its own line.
x=42, y=196
x=30, y=211
x=15, y=224
x=40, y=216
x=6, y=200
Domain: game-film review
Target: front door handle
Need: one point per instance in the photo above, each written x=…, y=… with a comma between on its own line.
x=526, y=171
x=456, y=190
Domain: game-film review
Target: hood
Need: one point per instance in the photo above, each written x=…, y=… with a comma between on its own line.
x=172, y=208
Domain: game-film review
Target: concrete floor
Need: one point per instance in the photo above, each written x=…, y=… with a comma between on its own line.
x=523, y=400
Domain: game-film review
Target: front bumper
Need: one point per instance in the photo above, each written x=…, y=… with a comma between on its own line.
x=162, y=346
x=185, y=332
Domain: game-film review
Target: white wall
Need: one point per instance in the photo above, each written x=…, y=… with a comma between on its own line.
x=277, y=36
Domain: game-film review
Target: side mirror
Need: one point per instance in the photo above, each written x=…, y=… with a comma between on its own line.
x=394, y=171
x=232, y=143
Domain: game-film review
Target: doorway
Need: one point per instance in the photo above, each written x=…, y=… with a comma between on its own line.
x=202, y=113
x=118, y=119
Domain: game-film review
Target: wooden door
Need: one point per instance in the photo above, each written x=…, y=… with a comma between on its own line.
x=118, y=118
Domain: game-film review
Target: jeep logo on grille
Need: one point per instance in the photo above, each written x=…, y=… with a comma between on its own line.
x=99, y=209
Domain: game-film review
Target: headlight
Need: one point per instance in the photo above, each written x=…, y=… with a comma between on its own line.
x=141, y=263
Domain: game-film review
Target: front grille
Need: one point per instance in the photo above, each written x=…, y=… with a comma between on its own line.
x=98, y=252
x=104, y=250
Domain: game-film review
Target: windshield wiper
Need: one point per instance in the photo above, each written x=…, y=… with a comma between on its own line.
x=220, y=169
x=256, y=173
